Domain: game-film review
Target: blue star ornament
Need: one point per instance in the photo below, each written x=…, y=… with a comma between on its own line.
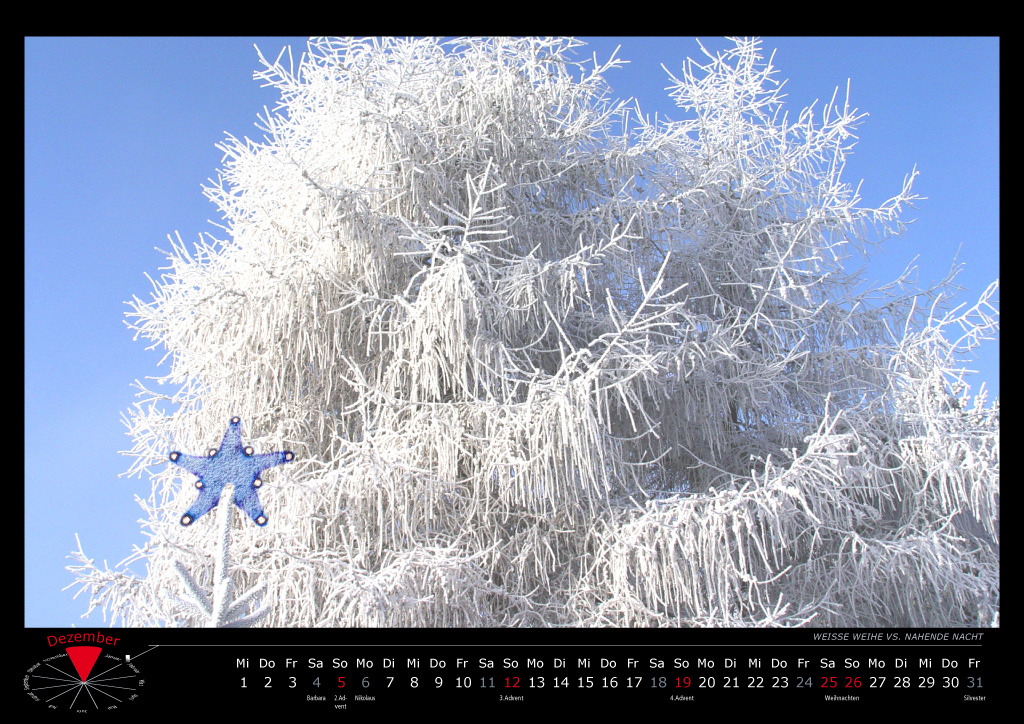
x=231, y=464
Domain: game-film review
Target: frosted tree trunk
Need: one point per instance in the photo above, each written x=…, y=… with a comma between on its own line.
x=544, y=363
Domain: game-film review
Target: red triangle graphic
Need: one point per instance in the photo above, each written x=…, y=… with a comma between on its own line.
x=83, y=657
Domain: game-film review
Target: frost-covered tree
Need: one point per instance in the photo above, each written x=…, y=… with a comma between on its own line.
x=544, y=363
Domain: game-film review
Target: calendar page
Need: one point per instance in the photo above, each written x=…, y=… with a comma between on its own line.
x=373, y=673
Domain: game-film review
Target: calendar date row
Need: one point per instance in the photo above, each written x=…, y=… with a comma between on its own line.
x=364, y=684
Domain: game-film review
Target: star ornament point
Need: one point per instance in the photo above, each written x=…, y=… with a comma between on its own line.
x=230, y=464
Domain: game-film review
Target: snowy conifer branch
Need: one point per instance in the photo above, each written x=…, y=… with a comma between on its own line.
x=223, y=609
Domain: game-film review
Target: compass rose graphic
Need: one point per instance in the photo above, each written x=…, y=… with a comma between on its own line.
x=84, y=679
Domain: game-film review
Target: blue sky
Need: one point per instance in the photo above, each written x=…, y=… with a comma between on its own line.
x=120, y=135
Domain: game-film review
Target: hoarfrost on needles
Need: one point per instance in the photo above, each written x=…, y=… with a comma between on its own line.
x=541, y=366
